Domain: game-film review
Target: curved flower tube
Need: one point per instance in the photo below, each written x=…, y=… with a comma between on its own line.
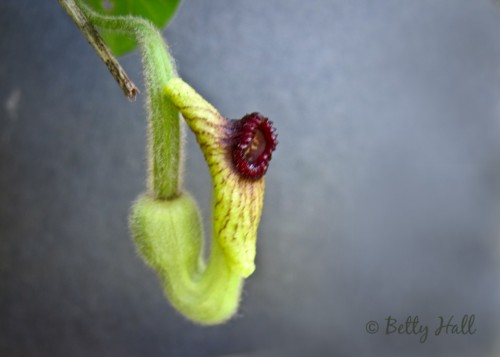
x=165, y=222
x=168, y=233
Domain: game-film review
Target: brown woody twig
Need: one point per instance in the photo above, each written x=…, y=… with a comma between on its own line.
x=100, y=47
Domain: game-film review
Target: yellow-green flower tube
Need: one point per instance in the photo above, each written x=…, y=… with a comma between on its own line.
x=165, y=222
x=169, y=235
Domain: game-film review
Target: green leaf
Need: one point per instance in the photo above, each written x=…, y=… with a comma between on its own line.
x=159, y=12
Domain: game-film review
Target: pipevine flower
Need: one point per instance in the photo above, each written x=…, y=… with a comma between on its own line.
x=169, y=232
x=165, y=221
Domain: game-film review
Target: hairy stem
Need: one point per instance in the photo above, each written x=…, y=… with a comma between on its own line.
x=164, y=126
x=100, y=47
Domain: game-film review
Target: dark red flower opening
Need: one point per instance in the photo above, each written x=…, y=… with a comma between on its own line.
x=254, y=142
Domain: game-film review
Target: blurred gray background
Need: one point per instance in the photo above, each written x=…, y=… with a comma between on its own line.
x=382, y=198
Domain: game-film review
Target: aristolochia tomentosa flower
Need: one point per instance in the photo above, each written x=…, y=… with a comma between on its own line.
x=165, y=221
x=169, y=233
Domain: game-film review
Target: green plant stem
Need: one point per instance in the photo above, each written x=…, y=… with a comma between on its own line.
x=102, y=50
x=165, y=145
